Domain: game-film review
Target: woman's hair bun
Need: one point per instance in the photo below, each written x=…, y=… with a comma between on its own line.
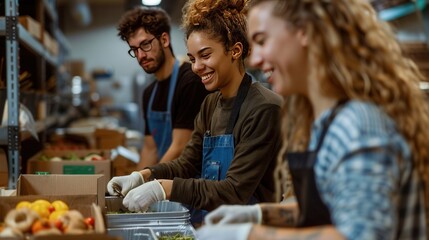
x=197, y=10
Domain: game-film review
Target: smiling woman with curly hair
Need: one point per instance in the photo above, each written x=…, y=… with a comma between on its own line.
x=355, y=137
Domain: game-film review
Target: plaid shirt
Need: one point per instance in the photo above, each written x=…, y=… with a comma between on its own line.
x=366, y=176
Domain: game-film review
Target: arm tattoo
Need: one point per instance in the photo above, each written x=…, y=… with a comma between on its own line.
x=275, y=216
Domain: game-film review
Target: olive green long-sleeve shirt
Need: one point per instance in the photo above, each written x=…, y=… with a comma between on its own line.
x=257, y=142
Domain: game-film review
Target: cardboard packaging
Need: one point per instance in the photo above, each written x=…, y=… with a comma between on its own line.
x=64, y=185
x=32, y=26
x=124, y=161
x=82, y=203
x=84, y=193
x=35, y=164
x=75, y=67
x=3, y=169
x=109, y=138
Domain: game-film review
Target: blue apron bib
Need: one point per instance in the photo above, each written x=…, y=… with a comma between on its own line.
x=218, y=151
x=159, y=123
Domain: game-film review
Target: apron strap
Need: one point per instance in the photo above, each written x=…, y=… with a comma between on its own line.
x=328, y=122
x=241, y=95
x=172, y=88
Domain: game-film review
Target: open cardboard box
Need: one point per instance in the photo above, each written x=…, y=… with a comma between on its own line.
x=35, y=164
x=61, y=185
x=84, y=193
x=82, y=203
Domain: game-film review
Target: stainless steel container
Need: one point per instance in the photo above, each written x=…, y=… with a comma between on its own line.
x=160, y=213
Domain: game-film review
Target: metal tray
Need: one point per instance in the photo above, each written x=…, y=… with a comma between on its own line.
x=133, y=233
x=159, y=213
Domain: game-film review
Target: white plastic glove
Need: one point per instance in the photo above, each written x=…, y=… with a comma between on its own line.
x=225, y=232
x=235, y=214
x=125, y=183
x=140, y=198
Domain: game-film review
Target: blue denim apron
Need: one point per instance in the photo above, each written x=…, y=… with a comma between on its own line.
x=159, y=123
x=218, y=151
x=312, y=210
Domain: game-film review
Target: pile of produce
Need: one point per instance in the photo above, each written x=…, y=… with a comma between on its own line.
x=73, y=157
x=42, y=217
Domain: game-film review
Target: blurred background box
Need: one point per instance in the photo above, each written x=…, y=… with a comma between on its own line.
x=3, y=169
x=71, y=163
x=32, y=26
x=75, y=67
x=109, y=138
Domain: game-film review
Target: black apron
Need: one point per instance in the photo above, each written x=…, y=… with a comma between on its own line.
x=312, y=210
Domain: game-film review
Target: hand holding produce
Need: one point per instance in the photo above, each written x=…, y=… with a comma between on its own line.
x=124, y=184
x=225, y=232
x=226, y=214
x=140, y=198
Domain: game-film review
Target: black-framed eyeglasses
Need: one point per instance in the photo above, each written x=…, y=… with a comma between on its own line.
x=145, y=46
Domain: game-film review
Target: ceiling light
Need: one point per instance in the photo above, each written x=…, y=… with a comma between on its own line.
x=151, y=2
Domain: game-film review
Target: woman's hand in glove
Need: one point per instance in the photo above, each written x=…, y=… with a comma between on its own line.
x=226, y=214
x=225, y=232
x=124, y=184
x=140, y=198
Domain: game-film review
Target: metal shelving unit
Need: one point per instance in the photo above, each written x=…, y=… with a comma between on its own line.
x=15, y=34
x=413, y=7
x=12, y=67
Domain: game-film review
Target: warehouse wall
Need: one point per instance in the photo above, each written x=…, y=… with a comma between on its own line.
x=101, y=48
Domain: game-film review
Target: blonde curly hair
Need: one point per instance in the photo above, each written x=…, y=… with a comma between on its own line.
x=358, y=57
x=223, y=20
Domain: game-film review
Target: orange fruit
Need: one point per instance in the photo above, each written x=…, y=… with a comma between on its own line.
x=41, y=224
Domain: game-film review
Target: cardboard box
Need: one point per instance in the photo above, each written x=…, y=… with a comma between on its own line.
x=3, y=169
x=82, y=203
x=54, y=47
x=61, y=185
x=46, y=39
x=35, y=164
x=123, y=166
x=32, y=26
x=75, y=67
x=109, y=138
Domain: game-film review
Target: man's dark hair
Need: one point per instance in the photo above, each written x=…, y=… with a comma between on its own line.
x=154, y=21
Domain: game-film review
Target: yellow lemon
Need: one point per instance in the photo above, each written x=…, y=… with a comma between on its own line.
x=42, y=202
x=60, y=205
x=40, y=209
x=56, y=214
x=23, y=204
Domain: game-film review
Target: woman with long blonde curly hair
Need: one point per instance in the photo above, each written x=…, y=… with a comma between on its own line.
x=354, y=126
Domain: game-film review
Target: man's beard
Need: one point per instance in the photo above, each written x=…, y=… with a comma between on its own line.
x=159, y=60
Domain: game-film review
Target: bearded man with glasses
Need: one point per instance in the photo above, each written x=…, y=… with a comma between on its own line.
x=170, y=103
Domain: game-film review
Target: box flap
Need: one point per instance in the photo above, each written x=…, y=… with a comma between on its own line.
x=58, y=184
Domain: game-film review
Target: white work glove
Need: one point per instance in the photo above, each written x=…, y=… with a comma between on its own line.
x=225, y=232
x=140, y=198
x=234, y=214
x=124, y=183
